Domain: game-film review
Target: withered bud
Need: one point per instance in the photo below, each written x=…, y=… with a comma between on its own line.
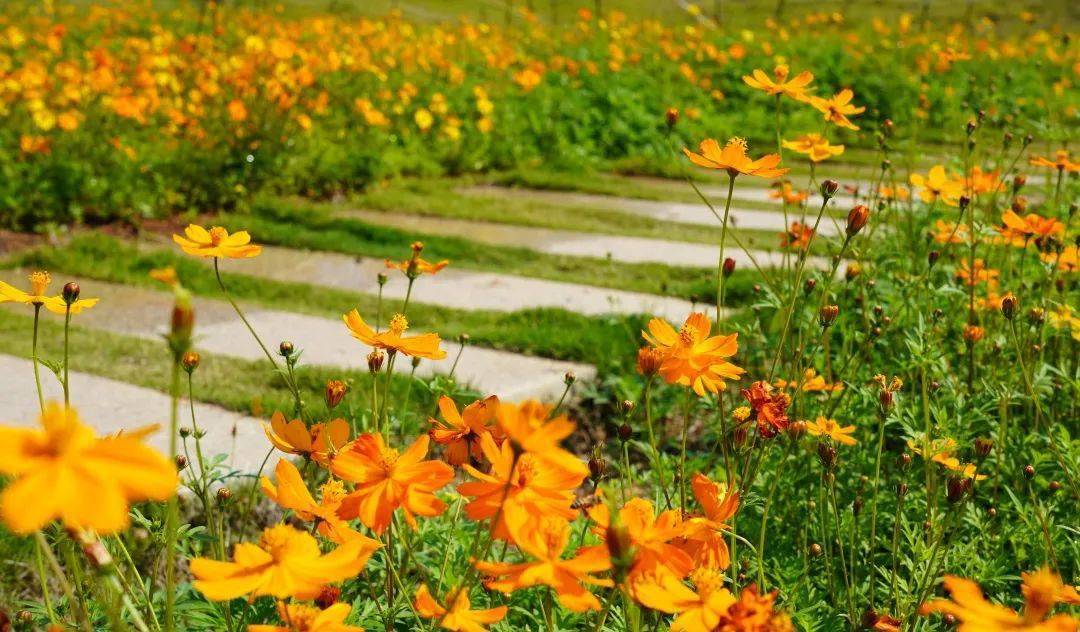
x=70, y=292
x=671, y=117
x=956, y=489
x=1009, y=305
x=625, y=432
x=569, y=378
x=1036, y=316
x=856, y=219
x=597, y=464
x=1029, y=472
x=902, y=490
x=335, y=392
x=224, y=494
x=1019, y=180
x=886, y=399
x=181, y=461
x=286, y=348
x=375, y=360
x=963, y=202
x=828, y=314
x=827, y=455
x=983, y=447
x=190, y=361
x=381, y=278
x=829, y=187
x=729, y=266
x=464, y=338
x=932, y=257
x=816, y=550
x=328, y=597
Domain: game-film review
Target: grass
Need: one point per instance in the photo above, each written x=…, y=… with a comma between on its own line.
x=301, y=224
x=536, y=332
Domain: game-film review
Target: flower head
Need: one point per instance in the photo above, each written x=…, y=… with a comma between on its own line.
x=838, y=108
x=1060, y=161
x=651, y=536
x=64, y=471
x=704, y=537
x=733, y=159
x=823, y=427
x=387, y=480
x=769, y=408
x=778, y=84
x=302, y=618
x=1042, y=590
x=1019, y=231
x=460, y=616
x=286, y=562
x=699, y=609
x=216, y=242
x=460, y=433
x=691, y=356
x=533, y=428
x=797, y=237
x=815, y=146
x=788, y=194
x=938, y=185
x=39, y=285
x=291, y=493
x=319, y=443
x=393, y=339
x=414, y=266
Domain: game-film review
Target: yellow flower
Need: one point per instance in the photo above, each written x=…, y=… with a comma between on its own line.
x=814, y=146
x=1042, y=590
x=301, y=618
x=779, y=83
x=421, y=346
x=424, y=119
x=39, y=283
x=837, y=108
x=64, y=471
x=822, y=427
x=460, y=617
x=937, y=185
x=217, y=242
x=733, y=159
x=691, y=356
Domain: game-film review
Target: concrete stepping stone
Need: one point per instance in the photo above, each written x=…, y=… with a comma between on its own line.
x=685, y=212
x=111, y=406
x=462, y=289
x=564, y=242
x=144, y=313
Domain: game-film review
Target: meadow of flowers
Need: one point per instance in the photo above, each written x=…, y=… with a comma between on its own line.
x=886, y=443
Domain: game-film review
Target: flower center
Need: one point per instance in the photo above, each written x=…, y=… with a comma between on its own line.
x=275, y=540
x=524, y=472
x=398, y=324
x=740, y=143
x=387, y=459
x=39, y=281
x=332, y=492
x=686, y=335
x=218, y=235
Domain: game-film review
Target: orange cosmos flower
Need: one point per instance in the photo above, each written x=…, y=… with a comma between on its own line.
x=291, y=493
x=533, y=489
x=788, y=194
x=285, y=563
x=545, y=540
x=797, y=237
x=822, y=427
x=63, y=471
x=1060, y=161
x=460, y=617
x=301, y=618
x=1042, y=591
x=838, y=108
x=461, y=432
x=978, y=274
x=1019, y=231
x=979, y=181
x=699, y=609
x=650, y=536
x=769, y=408
x=898, y=192
x=421, y=346
x=949, y=232
x=1066, y=260
x=705, y=541
x=318, y=443
x=415, y=266
x=386, y=480
x=778, y=84
x=937, y=185
x=692, y=357
x=815, y=146
x=811, y=383
x=754, y=612
x=217, y=242
x=531, y=426
x=39, y=284
x=733, y=159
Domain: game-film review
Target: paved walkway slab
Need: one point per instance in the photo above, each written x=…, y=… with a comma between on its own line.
x=111, y=406
x=564, y=242
x=326, y=342
x=685, y=212
x=462, y=289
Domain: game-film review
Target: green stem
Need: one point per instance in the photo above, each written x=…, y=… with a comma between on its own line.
x=34, y=358
x=67, y=331
x=172, y=512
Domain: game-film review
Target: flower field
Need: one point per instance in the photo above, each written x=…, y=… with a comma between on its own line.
x=709, y=319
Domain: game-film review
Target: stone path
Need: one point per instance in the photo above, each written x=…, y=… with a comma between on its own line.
x=463, y=289
x=685, y=212
x=111, y=406
x=325, y=341
x=565, y=242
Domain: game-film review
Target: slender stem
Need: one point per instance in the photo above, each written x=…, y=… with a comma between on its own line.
x=720, y=264
x=172, y=512
x=652, y=441
x=67, y=330
x=43, y=578
x=840, y=547
x=874, y=506
x=46, y=550
x=34, y=357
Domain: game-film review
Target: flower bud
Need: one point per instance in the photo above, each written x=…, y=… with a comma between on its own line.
x=190, y=361
x=597, y=464
x=181, y=461
x=464, y=338
x=827, y=315
x=328, y=597
x=71, y=292
x=381, y=278
x=971, y=125
x=1009, y=305
x=649, y=361
x=286, y=348
x=1029, y=472
x=375, y=360
x=902, y=490
x=671, y=117
x=973, y=334
x=828, y=188
x=625, y=432
x=1054, y=487
x=1019, y=181
x=903, y=461
x=856, y=219
x=983, y=447
x=956, y=489
x=627, y=406
x=1036, y=316
x=184, y=432
x=335, y=392
x=224, y=494
x=816, y=550
x=729, y=266
x=827, y=455
x=809, y=286
x=569, y=378
x=796, y=429
x=963, y=202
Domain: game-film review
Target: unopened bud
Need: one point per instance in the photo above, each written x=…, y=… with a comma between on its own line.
x=956, y=489
x=902, y=490
x=856, y=219
x=1019, y=181
x=381, y=278
x=1036, y=316
x=827, y=315
x=828, y=188
x=625, y=432
x=71, y=292
x=1009, y=305
x=224, y=494
x=971, y=125
x=569, y=378
x=1029, y=472
x=903, y=461
x=796, y=429
x=181, y=461
x=375, y=360
x=190, y=361
x=627, y=406
x=809, y=285
x=963, y=202
x=827, y=455
x=328, y=597
x=816, y=550
x=335, y=392
x=1054, y=487
x=983, y=447
x=671, y=117
x=932, y=257
x=286, y=348
x=729, y=266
